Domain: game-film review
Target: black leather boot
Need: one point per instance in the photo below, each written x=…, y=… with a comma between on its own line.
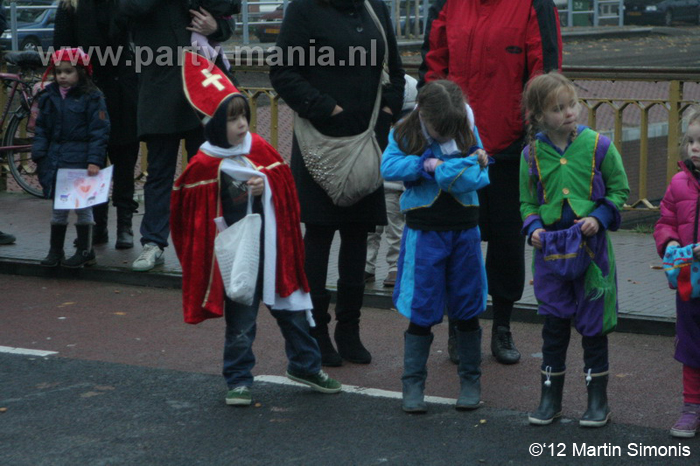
x=84, y=254
x=56, y=254
x=347, y=330
x=598, y=412
x=550, y=401
x=125, y=235
x=329, y=356
x=100, y=213
x=502, y=346
x=416, y=350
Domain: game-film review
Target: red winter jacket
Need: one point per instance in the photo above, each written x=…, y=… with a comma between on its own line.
x=491, y=48
x=678, y=211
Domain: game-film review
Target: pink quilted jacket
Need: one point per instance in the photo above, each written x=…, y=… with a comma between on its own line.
x=678, y=211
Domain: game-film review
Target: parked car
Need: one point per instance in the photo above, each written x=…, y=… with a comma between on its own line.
x=661, y=11
x=31, y=19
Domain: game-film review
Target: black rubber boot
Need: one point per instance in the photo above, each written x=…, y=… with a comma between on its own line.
x=550, y=401
x=125, y=235
x=347, y=330
x=502, y=346
x=329, y=356
x=415, y=358
x=84, y=254
x=100, y=213
x=452, y=341
x=56, y=254
x=598, y=412
x=469, y=369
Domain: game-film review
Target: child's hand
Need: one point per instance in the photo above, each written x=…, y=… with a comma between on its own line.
x=672, y=244
x=535, y=238
x=590, y=225
x=696, y=252
x=256, y=185
x=483, y=158
x=93, y=169
x=431, y=164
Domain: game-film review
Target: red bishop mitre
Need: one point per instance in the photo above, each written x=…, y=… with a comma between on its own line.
x=206, y=86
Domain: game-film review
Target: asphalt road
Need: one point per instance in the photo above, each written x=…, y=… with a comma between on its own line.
x=131, y=384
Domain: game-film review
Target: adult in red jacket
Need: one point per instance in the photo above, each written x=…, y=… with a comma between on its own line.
x=491, y=48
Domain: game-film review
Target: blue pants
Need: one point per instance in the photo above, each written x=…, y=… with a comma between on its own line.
x=302, y=350
x=438, y=269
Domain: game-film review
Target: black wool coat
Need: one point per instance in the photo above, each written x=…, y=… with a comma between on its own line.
x=97, y=27
x=333, y=32
x=158, y=31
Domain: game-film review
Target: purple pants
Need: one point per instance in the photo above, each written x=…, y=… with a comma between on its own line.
x=567, y=299
x=688, y=331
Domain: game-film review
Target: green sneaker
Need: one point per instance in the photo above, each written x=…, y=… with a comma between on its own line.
x=319, y=382
x=239, y=396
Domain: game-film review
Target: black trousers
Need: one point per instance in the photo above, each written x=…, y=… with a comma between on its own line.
x=556, y=334
x=123, y=157
x=500, y=225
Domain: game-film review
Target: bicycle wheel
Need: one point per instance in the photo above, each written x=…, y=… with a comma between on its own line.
x=19, y=139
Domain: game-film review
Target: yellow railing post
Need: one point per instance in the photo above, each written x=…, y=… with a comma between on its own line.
x=643, y=152
x=675, y=95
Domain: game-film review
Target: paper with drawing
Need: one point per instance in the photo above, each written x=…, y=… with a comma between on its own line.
x=76, y=190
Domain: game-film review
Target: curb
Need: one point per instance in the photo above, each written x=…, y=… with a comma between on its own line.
x=377, y=299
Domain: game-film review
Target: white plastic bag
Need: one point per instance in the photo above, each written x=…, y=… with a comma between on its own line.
x=238, y=253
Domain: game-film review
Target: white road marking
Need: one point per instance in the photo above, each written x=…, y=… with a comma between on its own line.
x=354, y=389
x=26, y=351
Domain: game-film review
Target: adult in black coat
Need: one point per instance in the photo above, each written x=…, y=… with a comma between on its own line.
x=97, y=27
x=160, y=30
x=338, y=100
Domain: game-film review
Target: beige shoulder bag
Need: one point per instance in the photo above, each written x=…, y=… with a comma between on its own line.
x=347, y=168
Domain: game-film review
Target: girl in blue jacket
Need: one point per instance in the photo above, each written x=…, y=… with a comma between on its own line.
x=72, y=131
x=436, y=152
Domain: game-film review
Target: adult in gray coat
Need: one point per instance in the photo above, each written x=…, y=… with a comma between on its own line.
x=160, y=30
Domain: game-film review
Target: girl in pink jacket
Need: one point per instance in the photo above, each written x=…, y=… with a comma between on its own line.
x=678, y=226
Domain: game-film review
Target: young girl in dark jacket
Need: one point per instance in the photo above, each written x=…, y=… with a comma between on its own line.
x=72, y=131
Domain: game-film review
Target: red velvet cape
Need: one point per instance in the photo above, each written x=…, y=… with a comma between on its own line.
x=194, y=204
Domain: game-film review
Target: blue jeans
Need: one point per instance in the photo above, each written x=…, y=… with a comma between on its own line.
x=302, y=350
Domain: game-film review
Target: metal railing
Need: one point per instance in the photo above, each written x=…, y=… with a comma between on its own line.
x=650, y=159
x=14, y=30
x=592, y=12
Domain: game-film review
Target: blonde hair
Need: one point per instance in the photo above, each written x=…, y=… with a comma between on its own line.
x=693, y=118
x=442, y=104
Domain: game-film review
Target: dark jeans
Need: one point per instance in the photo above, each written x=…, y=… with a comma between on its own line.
x=303, y=354
x=123, y=157
x=556, y=334
x=162, y=161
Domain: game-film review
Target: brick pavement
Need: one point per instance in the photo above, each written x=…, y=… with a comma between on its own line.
x=643, y=294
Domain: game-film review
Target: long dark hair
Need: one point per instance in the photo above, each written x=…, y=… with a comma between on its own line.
x=85, y=84
x=441, y=104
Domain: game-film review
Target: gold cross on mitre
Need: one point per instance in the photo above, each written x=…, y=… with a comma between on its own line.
x=212, y=79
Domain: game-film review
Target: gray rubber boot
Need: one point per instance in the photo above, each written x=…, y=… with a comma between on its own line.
x=415, y=357
x=550, y=400
x=469, y=369
x=598, y=412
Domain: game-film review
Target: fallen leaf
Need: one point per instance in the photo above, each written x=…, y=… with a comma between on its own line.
x=117, y=291
x=258, y=405
x=120, y=313
x=3, y=410
x=483, y=421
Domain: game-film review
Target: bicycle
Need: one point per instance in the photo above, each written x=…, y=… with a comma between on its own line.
x=16, y=148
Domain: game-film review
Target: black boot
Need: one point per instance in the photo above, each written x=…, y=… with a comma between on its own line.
x=598, y=412
x=502, y=346
x=84, y=254
x=347, y=330
x=469, y=369
x=56, y=255
x=452, y=341
x=329, y=356
x=125, y=235
x=100, y=235
x=550, y=401
x=415, y=357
